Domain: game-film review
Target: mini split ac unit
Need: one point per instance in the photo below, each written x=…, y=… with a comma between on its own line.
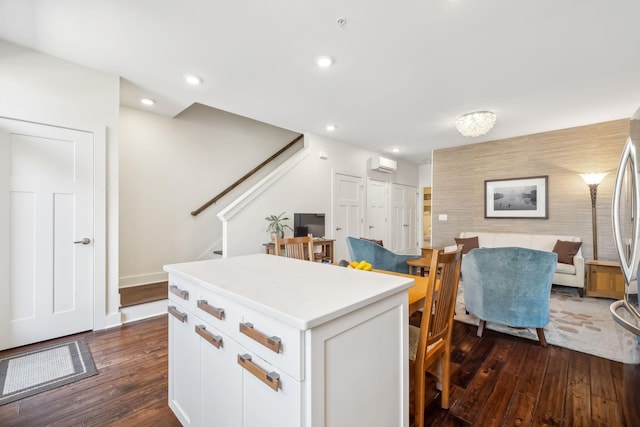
x=383, y=165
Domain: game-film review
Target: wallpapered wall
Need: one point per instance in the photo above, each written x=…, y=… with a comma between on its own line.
x=459, y=174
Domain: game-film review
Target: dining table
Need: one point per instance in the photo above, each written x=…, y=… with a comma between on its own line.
x=417, y=292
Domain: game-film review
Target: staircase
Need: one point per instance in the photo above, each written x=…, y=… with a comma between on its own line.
x=143, y=301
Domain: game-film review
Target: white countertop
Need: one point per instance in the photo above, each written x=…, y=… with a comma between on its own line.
x=300, y=293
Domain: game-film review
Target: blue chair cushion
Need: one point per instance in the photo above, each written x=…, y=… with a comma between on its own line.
x=509, y=285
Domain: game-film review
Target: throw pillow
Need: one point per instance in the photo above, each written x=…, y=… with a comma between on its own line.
x=372, y=240
x=468, y=242
x=566, y=251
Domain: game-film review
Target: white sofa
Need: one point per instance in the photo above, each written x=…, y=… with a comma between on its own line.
x=566, y=274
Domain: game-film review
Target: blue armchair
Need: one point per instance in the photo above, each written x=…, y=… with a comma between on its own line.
x=511, y=286
x=379, y=257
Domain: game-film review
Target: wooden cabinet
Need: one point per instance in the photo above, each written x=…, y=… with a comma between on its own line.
x=240, y=356
x=604, y=279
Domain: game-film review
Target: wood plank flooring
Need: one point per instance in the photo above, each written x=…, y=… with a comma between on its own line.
x=497, y=380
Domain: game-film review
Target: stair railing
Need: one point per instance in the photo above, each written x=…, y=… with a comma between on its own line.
x=246, y=176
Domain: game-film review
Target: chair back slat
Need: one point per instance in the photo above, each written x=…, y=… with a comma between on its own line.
x=295, y=247
x=440, y=299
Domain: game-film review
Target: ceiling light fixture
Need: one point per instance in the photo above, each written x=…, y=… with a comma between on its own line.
x=192, y=80
x=476, y=123
x=395, y=150
x=331, y=128
x=147, y=101
x=324, y=61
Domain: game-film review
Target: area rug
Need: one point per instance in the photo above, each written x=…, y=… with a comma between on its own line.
x=581, y=324
x=31, y=372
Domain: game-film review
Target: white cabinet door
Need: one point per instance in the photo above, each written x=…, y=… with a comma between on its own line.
x=184, y=367
x=264, y=407
x=221, y=387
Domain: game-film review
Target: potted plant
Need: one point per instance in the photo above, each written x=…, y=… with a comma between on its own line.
x=276, y=226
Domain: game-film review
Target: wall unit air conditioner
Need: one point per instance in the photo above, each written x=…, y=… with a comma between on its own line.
x=383, y=164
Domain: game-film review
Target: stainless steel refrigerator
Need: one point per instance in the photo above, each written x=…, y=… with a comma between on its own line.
x=626, y=228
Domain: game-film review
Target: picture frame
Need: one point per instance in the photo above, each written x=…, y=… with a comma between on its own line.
x=517, y=198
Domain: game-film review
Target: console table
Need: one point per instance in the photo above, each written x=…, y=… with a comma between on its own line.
x=324, y=255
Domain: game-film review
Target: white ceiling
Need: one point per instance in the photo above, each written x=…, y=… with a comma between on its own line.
x=404, y=69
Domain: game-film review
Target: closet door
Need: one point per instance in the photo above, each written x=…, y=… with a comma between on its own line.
x=403, y=218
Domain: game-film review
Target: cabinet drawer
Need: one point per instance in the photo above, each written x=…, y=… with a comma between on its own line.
x=218, y=311
x=182, y=293
x=279, y=344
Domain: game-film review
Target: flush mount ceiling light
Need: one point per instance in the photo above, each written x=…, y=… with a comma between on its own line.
x=192, y=80
x=324, y=61
x=476, y=123
x=147, y=101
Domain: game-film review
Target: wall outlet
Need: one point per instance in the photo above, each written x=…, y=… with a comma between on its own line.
x=442, y=217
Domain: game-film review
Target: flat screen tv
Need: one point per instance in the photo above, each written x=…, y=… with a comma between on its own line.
x=308, y=223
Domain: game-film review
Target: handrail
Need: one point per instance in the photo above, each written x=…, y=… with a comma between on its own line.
x=246, y=176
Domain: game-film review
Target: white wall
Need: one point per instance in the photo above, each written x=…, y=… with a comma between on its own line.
x=307, y=188
x=45, y=89
x=171, y=166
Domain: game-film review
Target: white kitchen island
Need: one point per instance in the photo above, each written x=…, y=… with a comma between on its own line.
x=261, y=340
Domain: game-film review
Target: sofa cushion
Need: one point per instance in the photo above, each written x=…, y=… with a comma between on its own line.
x=566, y=251
x=566, y=268
x=469, y=243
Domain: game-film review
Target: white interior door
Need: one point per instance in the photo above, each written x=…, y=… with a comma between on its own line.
x=347, y=215
x=376, y=222
x=46, y=217
x=403, y=218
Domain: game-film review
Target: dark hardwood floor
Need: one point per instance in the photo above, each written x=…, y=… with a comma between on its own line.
x=496, y=380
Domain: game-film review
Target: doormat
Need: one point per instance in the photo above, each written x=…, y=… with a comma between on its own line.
x=581, y=324
x=34, y=371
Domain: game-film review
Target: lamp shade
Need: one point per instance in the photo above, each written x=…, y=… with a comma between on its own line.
x=593, y=178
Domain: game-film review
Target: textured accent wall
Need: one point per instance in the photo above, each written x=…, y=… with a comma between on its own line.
x=459, y=174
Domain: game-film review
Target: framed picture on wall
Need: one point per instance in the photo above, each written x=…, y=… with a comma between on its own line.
x=516, y=198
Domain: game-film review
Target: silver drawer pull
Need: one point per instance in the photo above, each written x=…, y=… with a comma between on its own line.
x=272, y=379
x=177, y=291
x=177, y=313
x=215, y=340
x=272, y=343
x=218, y=313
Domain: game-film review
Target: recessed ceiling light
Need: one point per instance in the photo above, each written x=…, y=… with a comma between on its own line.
x=324, y=61
x=147, y=101
x=192, y=80
x=331, y=128
x=396, y=150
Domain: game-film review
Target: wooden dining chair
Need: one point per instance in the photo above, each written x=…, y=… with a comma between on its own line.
x=296, y=247
x=430, y=344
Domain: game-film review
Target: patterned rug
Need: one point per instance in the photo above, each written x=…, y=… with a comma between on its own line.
x=581, y=324
x=31, y=372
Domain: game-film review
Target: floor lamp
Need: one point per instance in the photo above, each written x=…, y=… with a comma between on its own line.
x=593, y=180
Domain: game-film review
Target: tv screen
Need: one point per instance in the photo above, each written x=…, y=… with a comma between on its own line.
x=308, y=223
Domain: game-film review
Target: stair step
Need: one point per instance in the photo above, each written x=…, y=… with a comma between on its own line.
x=141, y=294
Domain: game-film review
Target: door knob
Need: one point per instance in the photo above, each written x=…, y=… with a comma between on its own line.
x=339, y=228
x=84, y=241
x=371, y=226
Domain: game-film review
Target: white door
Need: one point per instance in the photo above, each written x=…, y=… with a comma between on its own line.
x=347, y=215
x=376, y=222
x=46, y=229
x=403, y=218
